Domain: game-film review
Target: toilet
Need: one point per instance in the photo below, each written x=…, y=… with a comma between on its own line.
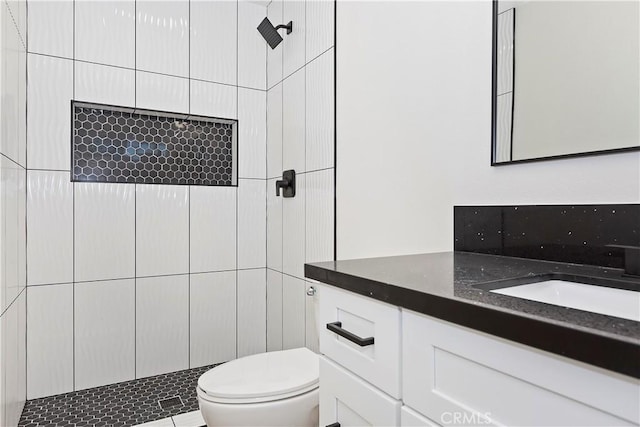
x=278, y=388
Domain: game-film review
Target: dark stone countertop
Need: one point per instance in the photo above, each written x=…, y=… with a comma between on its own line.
x=442, y=285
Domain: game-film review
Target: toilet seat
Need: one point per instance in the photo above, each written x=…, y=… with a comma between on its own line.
x=264, y=377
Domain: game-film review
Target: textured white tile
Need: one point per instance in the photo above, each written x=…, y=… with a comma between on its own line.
x=105, y=85
x=164, y=422
x=162, y=37
x=104, y=332
x=50, y=340
x=505, y=51
x=104, y=231
x=293, y=126
x=213, y=228
x=293, y=44
x=214, y=100
x=320, y=27
x=252, y=133
x=162, y=320
x=13, y=83
x=274, y=132
x=274, y=227
x=252, y=49
x=164, y=93
x=12, y=221
x=190, y=419
x=51, y=27
x=213, y=318
x=504, y=122
x=162, y=230
x=21, y=389
x=19, y=14
x=252, y=226
x=274, y=310
x=293, y=231
x=50, y=225
x=320, y=113
x=252, y=312
x=293, y=312
x=214, y=41
x=49, y=96
x=274, y=56
x=13, y=360
x=319, y=216
x=311, y=322
x=105, y=32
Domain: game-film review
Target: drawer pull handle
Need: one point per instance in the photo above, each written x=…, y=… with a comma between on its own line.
x=334, y=425
x=337, y=328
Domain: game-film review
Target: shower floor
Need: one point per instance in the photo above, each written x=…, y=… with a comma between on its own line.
x=123, y=404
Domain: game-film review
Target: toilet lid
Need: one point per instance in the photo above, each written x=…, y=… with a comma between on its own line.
x=265, y=375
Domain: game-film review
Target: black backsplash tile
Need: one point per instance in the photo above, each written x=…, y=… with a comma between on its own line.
x=116, y=144
x=565, y=233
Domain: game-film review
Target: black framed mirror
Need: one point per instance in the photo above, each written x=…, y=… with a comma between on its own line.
x=565, y=79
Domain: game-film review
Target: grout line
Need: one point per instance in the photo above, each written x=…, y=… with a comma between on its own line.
x=13, y=301
x=300, y=68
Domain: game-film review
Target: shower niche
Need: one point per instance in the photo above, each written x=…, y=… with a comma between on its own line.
x=132, y=145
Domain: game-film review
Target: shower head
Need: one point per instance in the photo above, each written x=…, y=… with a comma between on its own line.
x=270, y=33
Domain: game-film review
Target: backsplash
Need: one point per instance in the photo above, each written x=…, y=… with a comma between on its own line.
x=566, y=233
x=126, y=145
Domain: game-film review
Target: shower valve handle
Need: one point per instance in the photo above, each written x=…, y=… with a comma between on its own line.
x=287, y=184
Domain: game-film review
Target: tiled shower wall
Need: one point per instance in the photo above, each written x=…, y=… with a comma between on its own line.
x=300, y=136
x=131, y=280
x=12, y=210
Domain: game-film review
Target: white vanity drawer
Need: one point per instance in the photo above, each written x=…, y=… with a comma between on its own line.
x=377, y=363
x=349, y=401
x=485, y=380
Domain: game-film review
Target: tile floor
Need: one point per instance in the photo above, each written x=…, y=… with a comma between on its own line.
x=128, y=403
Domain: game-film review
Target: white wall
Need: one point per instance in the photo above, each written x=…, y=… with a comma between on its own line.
x=12, y=211
x=300, y=136
x=413, y=131
x=126, y=281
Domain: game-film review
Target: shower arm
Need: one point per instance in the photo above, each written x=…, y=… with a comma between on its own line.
x=289, y=27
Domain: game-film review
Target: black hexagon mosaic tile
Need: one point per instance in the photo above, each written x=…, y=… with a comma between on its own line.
x=117, y=144
x=124, y=404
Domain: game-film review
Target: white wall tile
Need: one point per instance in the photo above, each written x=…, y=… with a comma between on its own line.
x=213, y=318
x=293, y=125
x=311, y=322
x=162, y=318
x=162, y=230
x=293, y=44
x=274, y=132
x=274, y=227
x=19, y=13
x=252, y=49
x=320, y=23
x=274, y=56
x=50, y=340
x=252, y=312
x=214, y=42
x=50, y=225
x=252, y=224
x=104, y=231
x=252, y=133
x=104, y=332
x=104, y=84
x=21, y=389
x=213, y=99
x=49, y=98
x=293, y=226
x=320, y=113
x=274, y=310
x=105, y=32
x=12, y=331
x=212, y=229
x=319, y=216
x=160, y=92
x=51, y=27
x=293, y=312
x=162, y=37
x=12, y=221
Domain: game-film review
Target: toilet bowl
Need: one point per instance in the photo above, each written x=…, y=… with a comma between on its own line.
x=278, y=388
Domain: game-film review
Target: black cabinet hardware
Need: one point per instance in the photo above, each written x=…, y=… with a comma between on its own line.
x=337, y=328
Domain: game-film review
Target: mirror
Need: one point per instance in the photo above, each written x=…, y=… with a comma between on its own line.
x=566, y=79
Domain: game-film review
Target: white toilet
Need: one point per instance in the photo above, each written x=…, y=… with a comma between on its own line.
x=278, y=388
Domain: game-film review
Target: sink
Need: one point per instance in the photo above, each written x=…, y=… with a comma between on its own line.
x=610, y=297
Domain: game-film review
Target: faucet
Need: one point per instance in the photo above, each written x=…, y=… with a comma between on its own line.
x=287, y=184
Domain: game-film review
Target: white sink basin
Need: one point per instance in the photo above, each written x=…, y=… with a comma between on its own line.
x=597, y=299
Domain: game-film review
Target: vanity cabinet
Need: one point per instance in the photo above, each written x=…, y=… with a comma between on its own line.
x=420, y=370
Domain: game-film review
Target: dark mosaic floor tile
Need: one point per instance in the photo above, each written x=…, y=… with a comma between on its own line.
x=116, y=405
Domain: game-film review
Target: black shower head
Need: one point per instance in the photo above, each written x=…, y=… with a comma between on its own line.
x=270, y=33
